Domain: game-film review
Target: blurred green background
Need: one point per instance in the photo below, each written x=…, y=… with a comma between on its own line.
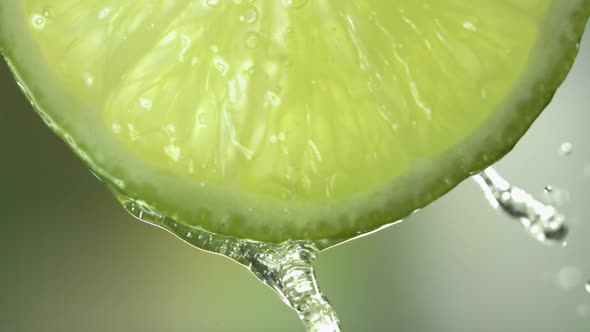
x=73, y=260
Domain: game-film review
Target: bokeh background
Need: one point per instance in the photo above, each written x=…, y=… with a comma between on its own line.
x=72, y=260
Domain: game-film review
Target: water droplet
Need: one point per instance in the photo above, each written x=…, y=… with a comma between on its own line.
x=103, y=13
x=173, y=152
x=116, y=128
x=185, y=44
x=272, y=99
x=146, y=103
x=587, y=286
x=222, y=65
x=202, y=119
x=249, y=14
x=569, y=277
x=47, y=11
x=88, y=79
x=213, y=3
x=470, y=26
x=566, y=149
x=170, y=130
x=294, y=3
x=251, y=39
x=38, y=21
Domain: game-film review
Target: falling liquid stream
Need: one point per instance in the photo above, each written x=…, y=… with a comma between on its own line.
x=288, y=267
x=542, y=221
x=285, y=267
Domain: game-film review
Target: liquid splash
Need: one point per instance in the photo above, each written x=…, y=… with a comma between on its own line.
x=285, y=267
x=540, y=220
x=288, y=267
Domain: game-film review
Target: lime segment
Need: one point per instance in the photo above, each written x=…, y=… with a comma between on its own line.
x=276, y=120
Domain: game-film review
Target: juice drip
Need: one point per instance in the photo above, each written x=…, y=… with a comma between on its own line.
x=542, y=221
x=285, y=267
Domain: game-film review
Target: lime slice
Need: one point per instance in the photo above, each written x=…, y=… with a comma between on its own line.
x=300, y=119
